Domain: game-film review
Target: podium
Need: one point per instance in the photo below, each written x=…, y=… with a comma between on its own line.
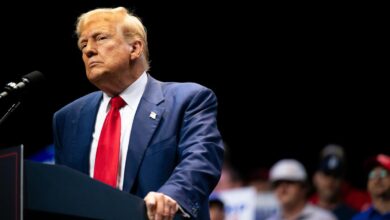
x=58, y=192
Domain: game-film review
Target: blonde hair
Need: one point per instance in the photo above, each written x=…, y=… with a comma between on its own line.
x=130, y=25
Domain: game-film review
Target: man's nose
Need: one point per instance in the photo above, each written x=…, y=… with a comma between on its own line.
x=90, y=49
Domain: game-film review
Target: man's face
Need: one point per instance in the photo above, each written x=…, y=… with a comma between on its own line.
x=289, y=193
x=328, y=187
x=379, y=182
x=216, y=213
x=105, y=52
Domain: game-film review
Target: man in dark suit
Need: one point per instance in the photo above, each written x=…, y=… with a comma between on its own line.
x=170, y=150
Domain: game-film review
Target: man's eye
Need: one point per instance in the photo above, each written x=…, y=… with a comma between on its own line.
x=101, y=37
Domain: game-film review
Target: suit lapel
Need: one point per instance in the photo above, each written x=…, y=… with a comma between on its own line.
x=144, y=126
x=85, y=127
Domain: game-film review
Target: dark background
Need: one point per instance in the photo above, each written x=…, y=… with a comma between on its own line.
x=289, y=78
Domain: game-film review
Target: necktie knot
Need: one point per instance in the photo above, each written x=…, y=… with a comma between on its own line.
x=117, y=102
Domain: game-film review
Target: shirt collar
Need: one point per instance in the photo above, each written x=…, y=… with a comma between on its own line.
x=132, y=94
x=372, y=212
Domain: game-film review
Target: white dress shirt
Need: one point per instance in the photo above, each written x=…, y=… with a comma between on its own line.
x=132, y=96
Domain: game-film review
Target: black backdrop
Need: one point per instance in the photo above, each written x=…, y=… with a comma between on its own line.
x=289, y=78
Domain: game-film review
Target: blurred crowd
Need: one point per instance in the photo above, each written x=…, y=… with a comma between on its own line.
x=285, y=191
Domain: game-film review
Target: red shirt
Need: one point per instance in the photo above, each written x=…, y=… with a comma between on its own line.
x=357, y=199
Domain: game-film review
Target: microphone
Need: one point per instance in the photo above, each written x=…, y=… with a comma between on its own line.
x=28, y=80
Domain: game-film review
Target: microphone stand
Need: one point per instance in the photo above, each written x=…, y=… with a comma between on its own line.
x=11, y=109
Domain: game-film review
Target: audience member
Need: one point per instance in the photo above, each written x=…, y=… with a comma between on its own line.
x=333, y=191
x=378, y=186
x=217, y=208
x=266, y=202
x=289, y=179
x=328, y=181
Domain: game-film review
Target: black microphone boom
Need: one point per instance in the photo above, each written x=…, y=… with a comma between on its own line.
x=29, y=79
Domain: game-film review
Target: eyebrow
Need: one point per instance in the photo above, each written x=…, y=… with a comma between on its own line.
x=93, y=35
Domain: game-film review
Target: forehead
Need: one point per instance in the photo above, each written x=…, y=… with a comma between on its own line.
x=98, y=26
x=99, y=21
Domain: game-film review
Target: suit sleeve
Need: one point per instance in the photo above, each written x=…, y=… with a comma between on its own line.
x=56, y=138
x=200, y=154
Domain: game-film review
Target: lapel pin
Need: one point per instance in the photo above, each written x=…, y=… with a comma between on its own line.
x=153, y=115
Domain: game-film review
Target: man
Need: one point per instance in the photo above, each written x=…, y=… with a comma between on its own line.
x=217, y=208
x=156, y=140
x=328, y=180
x=266, y=202
x=379, y=188
x=333, y=191
x=289, y=179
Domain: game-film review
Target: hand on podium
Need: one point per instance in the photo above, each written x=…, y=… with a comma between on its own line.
x=160, y=206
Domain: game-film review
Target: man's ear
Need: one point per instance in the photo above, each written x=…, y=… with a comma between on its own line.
x=136, y=49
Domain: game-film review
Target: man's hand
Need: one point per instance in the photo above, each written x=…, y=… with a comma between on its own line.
x=160, y=206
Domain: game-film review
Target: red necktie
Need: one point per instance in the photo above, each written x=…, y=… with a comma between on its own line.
x=107, y=155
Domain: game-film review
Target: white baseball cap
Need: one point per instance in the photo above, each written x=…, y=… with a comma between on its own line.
x=288, y=169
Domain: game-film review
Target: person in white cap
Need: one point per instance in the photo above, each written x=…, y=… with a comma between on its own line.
x=289, y=179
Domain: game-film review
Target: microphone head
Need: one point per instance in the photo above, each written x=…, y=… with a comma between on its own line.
x=33, y=77
x=29, y=80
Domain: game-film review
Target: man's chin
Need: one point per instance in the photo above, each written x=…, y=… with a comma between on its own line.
x=95, y=76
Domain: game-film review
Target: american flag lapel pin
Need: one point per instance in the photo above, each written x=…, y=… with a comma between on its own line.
x=153, y=115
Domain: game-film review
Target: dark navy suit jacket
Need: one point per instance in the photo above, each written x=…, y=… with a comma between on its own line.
x=178, y=153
